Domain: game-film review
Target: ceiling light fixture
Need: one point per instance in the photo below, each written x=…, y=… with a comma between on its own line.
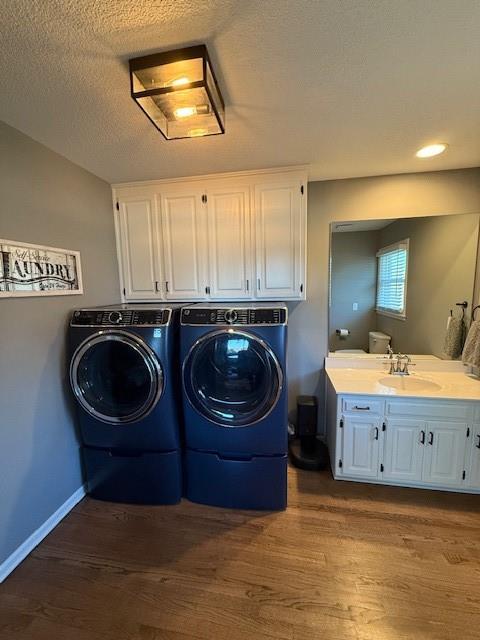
x=431, y=150
x=179, y=93
x=185, y=112
x=177, y=82
x=196, y=133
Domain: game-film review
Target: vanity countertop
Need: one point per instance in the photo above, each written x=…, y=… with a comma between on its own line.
x=446, y=384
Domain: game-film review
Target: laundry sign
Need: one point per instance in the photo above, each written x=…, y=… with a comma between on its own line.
x=35, y=270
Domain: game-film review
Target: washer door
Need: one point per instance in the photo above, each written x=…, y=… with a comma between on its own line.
x=232, y=378
x=116, y=377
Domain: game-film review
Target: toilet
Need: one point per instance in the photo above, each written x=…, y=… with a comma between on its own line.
x=378, y=342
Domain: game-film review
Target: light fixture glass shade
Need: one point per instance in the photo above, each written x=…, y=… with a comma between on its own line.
x=179, y=93
x=431, y=150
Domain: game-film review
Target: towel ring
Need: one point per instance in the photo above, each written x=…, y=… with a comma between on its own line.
x=473, y=311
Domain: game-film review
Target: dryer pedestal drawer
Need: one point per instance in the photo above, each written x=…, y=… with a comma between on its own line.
x=135, y=477
x=255, y=483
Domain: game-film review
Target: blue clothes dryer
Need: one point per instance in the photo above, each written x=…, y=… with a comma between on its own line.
x=235, y=404
x=124, y=374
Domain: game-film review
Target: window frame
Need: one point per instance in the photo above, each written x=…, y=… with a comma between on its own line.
x=383, y=311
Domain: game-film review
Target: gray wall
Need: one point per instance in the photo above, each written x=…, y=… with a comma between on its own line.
x=353, y=279
x=399, y=196
x=47, y=200
x=441, y=271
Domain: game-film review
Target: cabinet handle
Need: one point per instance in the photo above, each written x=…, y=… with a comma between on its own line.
x=376, y=433
x=166, y=286
x=422, y=437
x=156, y=286
x=430, y=437
x=258, y=284
x=478, y=443
x=357, y=408
x=248, y=285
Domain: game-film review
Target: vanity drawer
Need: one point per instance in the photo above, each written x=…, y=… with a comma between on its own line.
x=429, y=410
x=362, y=405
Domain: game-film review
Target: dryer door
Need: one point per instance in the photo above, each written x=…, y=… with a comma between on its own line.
x=232, y=378
x=116, y=377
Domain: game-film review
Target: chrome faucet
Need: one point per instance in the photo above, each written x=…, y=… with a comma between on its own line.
x=390, y=358
x=399, y=363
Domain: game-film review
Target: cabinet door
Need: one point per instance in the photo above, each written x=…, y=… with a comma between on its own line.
x=138, y=229
x=360, y=446
x=474, y=472
x=230, y=248
x=404, y=447
x=280, y=240
x=184, y=243
x=444, y=453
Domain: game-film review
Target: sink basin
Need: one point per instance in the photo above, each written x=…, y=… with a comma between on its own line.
x=408, y=383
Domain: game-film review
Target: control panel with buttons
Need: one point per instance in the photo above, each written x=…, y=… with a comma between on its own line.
x=235, y=316
x=120, y=317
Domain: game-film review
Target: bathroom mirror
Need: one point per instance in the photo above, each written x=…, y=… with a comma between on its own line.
x=398, y=281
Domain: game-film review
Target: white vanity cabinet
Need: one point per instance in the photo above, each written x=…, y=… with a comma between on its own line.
x=231, y=237
x=425, y=443
x=360, y=446
x=403, y=457
x=474, y=475
x=444, y=453
x=473, y=455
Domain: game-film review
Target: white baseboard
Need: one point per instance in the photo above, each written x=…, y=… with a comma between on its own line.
x=37, y=536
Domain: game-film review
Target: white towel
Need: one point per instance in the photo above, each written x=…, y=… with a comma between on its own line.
x=471, y=351
x=454, y=338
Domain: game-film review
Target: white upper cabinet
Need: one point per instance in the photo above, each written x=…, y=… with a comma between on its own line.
x=280, y=239
x=137, y=232
x=229, y=241
x=184, y=243
x=230, y=237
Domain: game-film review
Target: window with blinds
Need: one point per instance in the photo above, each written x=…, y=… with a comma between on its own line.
x=392, y=270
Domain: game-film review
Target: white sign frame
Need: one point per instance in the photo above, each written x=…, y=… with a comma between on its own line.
x=53, y=292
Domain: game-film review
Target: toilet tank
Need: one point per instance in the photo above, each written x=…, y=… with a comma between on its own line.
x=378, y=342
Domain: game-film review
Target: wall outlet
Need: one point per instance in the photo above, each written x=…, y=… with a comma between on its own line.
x=355, y=306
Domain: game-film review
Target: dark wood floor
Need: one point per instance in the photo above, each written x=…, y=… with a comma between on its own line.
x=345, y=561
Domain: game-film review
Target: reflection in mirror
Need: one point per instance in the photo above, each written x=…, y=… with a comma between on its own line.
x=397, y=282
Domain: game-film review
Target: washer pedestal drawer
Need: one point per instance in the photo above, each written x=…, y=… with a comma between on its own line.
x=259, y=482
x=133, y=476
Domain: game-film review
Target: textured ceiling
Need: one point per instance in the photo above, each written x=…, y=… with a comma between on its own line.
x=360, y=225
x=349, y=87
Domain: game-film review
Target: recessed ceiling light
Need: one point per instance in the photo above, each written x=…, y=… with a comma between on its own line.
x=431, y=150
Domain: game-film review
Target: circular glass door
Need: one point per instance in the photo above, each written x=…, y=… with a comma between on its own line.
x=232, y=378
x=116, y=377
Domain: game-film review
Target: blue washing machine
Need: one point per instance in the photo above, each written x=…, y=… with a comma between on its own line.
x=235, y=404
x=125, y=378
